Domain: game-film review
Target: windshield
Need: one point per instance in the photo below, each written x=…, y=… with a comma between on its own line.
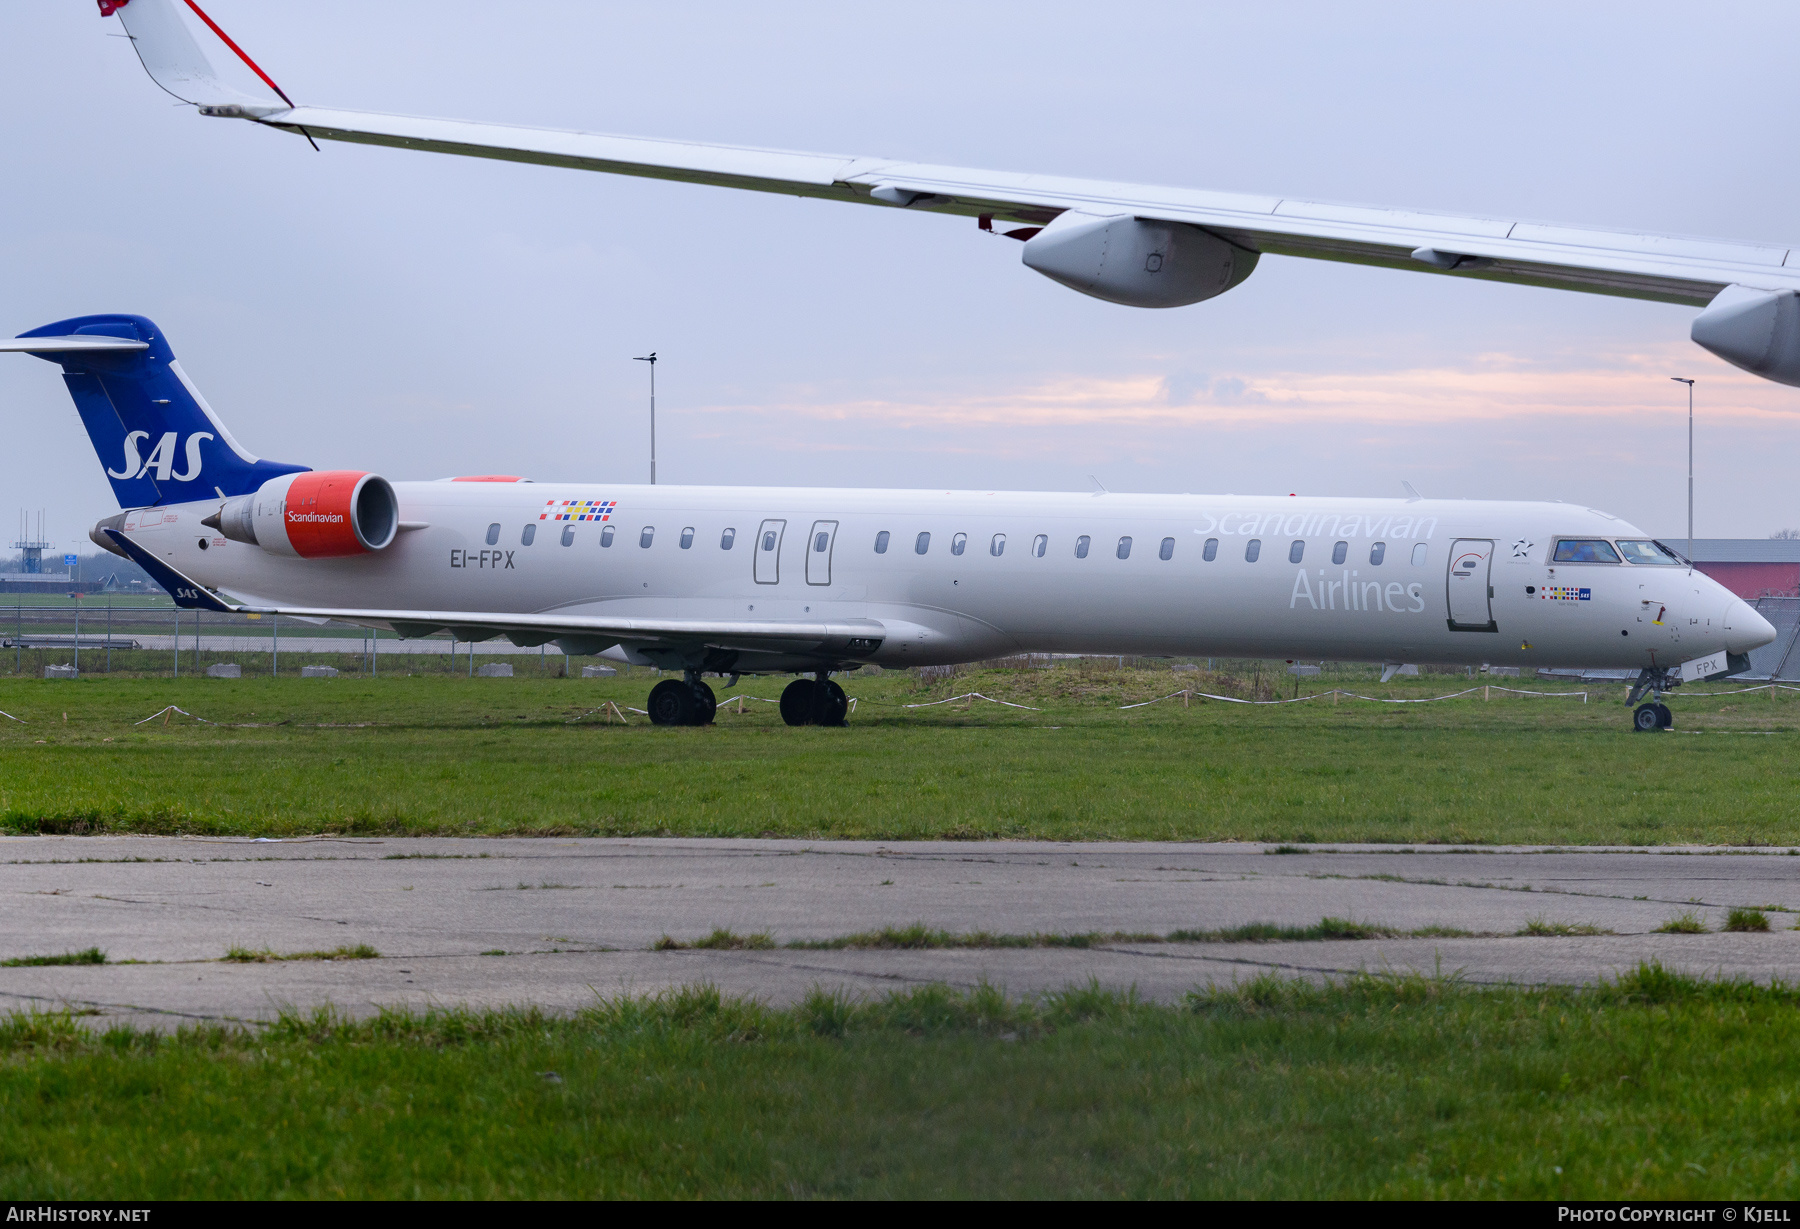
x=1647, y=552
x=1585, y=550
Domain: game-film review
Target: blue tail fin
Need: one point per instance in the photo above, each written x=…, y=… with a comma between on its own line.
x=158, y=440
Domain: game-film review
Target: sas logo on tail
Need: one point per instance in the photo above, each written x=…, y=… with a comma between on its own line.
x=162, y=457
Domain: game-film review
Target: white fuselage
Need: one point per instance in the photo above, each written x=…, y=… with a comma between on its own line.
x=1030, y=593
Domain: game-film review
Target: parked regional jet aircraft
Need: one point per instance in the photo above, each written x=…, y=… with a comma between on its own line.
x=734, y=580
x=1126, y=243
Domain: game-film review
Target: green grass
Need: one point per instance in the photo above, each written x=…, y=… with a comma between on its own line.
x=245, y=955
x=919, y=936
x=1687, y=922
x=1544, y=928
x=1656, y=1086
x=530, y=756
x=1746, y=920
x=90, y=955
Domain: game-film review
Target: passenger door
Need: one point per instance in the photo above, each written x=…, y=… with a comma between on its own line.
x=768, y=552
x=1471, y=593
x=818, y=552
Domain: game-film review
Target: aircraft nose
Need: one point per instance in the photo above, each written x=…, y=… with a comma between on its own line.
x=1744, y=628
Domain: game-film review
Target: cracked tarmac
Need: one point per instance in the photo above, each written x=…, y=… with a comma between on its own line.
x=575, y=918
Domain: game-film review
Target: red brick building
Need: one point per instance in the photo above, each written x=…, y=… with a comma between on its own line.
x=1749, y=567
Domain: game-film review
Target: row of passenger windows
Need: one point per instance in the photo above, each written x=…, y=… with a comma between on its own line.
x=1040, y=545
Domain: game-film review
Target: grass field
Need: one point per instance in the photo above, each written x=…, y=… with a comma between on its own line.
x=1654, y=1087
x=530, y=755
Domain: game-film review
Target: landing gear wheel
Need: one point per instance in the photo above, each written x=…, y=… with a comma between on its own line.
x=1664, y=718
x=706, y=704
x=832, y=706
x=673, y=702
x=1645, y=718
x=797, y=702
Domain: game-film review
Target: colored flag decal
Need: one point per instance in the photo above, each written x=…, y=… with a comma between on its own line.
x=578, y=510
x=1565, y=593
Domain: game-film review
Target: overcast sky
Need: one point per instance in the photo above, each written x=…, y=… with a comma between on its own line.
x=422, y=315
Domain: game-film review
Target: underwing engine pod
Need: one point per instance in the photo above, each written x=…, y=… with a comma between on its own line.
x=1758, y=330
x=314, y=515
x=1137, y=262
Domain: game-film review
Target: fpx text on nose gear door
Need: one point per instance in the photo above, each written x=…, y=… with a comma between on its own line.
x=1471, y=594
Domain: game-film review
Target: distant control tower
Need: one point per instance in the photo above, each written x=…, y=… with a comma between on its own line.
x=33, y=545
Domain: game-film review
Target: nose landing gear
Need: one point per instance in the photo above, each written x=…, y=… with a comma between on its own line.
x=815, y=701
x=1654, y=715
x=683, y=701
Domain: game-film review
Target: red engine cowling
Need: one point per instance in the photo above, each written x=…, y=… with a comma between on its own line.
x=315, y=515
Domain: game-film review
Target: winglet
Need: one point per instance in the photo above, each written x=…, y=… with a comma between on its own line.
x=189, y=594
x=175, y=61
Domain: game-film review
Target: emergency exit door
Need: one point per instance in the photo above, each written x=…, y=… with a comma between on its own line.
x=818, y=552
x=1471, y=587
x=768, y=552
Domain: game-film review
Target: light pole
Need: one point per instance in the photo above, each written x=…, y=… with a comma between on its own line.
x=651, y=359
x=1690, y=386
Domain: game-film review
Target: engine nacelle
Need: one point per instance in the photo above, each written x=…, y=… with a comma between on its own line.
x=314, y=515
x=1758, y=330
x=1137, y=262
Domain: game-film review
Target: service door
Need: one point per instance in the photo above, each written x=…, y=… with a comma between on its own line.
x=768, y=552
x=818, y=552
x=1471, y=593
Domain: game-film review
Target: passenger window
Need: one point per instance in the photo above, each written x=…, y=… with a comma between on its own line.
x=644, y=538
x=494, y=534
x=1168, y=550
x=568, y=538
x=769, y=540
x=958, y=543
x=687, y=537
x=728, y=539
x=606, y=535
x=1252, y=550
x=1040, y=544
x=1340, y=551
x=1081, y=546
x=997, y=547
x=820, y=541
x=1297, y=551
x=1419, y=552
x=1377, y=553
x=921, y=544
x=527, y=534
x=1124, y=548
x=1585, y=550
x=881, y=541
x=1211, y=550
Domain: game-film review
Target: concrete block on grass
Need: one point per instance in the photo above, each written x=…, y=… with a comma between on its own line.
x=318, y=672
x=596, y=672
x=1305, y=671
x=61, y=672
x=494, y=670
x=225, y=670
x=1505, y=672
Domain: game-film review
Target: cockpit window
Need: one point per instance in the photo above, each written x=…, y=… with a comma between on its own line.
x=1585, y=550
x=1647, y=552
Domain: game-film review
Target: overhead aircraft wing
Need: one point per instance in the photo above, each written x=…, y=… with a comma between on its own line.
x=1080, y=213
x=841, y=639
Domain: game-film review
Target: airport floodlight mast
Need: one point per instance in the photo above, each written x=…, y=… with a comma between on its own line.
x=651, y=359
x=1690, y=384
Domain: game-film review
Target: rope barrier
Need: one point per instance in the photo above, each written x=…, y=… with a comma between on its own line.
x=10, y=717
x=165, y=713
x=1335, y=691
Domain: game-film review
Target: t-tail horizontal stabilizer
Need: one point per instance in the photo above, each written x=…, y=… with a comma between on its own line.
x=158, y=440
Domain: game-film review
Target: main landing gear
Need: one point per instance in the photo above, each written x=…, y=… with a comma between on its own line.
x=815, y=701
x=683, y=701
x=1655, y=715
